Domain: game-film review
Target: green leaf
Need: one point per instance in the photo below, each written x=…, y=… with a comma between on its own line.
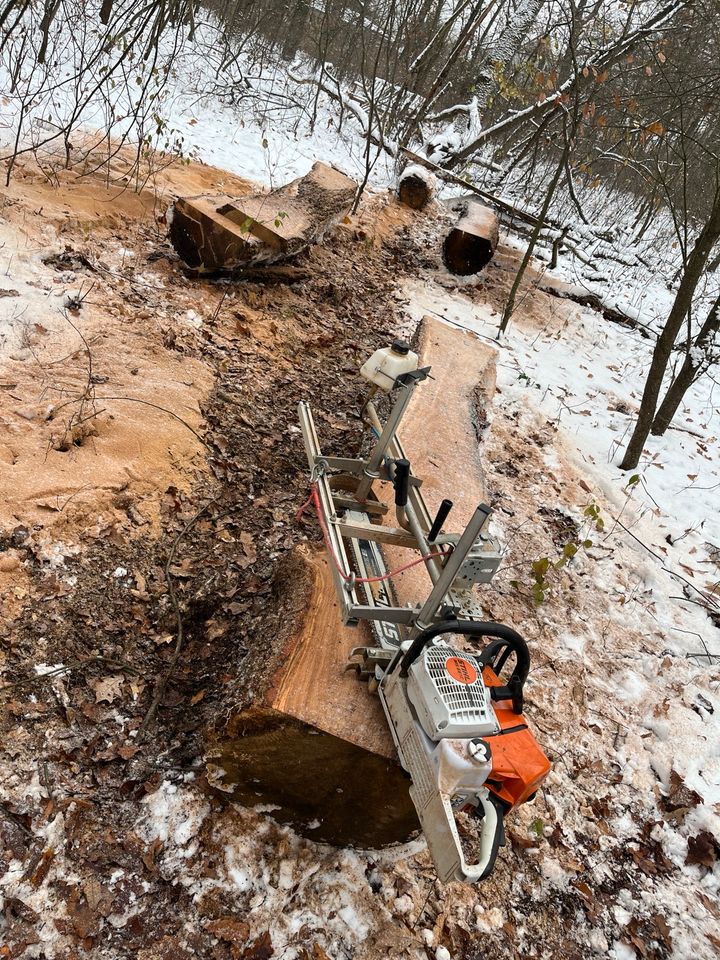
x=587, y=544
x=635, y=478
x=538, y=828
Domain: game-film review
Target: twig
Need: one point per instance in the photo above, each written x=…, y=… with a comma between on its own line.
x=147, y=403
x=159, y=692
x=67, y=668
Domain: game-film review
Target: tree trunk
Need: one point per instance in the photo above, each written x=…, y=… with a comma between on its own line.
x=510, y=305
x=686, y=377
x=694, y=267
x=471, y=243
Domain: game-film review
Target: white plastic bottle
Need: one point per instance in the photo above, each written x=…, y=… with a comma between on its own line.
x=388, y=363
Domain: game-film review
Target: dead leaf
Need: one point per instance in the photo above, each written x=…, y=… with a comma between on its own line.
x=260, y=949
x=42, y=868
x=702, y=850
x=229, y=929
x=151, y=853
x=317, y=953
x=522, y=840
x=680, y=796
x=108, y=688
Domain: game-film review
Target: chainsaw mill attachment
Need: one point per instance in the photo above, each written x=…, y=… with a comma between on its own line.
x=455, y=718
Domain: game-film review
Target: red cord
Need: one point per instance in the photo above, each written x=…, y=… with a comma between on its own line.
x=328, y=543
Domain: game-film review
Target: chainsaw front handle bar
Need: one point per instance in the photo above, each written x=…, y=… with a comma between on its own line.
x=475, y=629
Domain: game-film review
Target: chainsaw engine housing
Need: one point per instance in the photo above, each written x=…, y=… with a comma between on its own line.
x=447, y=690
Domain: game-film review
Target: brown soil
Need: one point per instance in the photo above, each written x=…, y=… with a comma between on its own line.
x=105, y=492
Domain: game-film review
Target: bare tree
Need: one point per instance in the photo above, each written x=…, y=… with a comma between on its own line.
x=694, y=268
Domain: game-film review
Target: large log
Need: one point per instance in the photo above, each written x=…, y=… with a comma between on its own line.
x=220, y=233
x=415, y=187
x=313, y=742
x=471, y=243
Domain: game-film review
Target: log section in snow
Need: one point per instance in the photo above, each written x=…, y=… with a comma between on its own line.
x=471, y=243
x=416, y=187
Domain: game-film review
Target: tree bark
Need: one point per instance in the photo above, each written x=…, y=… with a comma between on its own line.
x=688, y=374
x=694, y=267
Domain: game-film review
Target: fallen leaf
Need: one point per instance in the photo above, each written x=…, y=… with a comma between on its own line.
x=107, y=689
x=680, y=795
x=260, y=949
x=702, y=850
x=151, y=853
x=229, y=929
x=42, y=868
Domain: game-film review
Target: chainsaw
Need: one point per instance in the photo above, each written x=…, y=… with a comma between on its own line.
x=450, y=683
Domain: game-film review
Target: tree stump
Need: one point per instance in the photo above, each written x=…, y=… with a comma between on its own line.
x=471, y=243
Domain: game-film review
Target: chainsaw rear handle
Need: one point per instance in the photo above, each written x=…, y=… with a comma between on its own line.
x=437, y=819
x=495, y=655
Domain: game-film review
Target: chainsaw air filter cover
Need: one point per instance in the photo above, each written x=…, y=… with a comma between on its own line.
x=447, y=690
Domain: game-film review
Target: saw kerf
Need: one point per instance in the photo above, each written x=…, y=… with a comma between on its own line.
x=455, y=716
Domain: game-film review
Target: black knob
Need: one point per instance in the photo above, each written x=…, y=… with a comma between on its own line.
x=401, y=482
x=399, y=346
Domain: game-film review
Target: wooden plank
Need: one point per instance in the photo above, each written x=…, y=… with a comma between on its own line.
x=439, y=435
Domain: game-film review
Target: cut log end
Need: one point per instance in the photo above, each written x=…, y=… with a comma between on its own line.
x=415, y=191
x=471, y=244
x=465, y=253
x=326, y=788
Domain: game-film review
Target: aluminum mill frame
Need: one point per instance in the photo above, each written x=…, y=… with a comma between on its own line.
x=415, y=517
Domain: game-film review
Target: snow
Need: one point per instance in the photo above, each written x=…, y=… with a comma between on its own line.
x=576, y=375
x=581, y=374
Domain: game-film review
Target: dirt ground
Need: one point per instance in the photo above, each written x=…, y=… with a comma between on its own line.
x=151, y=468
x=148, y=438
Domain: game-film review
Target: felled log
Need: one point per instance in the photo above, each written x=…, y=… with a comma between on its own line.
x=314, y=744
x=471, y=243
x=415, y=187
x=301, y=734
x=221, y=233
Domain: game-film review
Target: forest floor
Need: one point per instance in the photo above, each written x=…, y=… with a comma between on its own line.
x=151, y=469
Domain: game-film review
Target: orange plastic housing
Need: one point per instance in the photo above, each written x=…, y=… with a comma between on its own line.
x=518, y=764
